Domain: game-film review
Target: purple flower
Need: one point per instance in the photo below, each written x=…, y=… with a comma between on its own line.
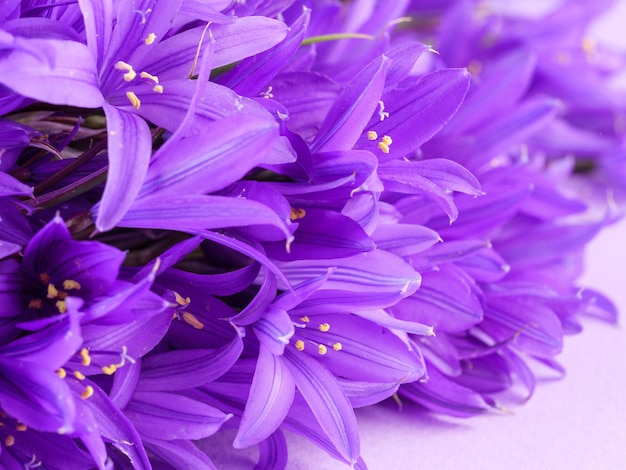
x=290, y=221
x=117, y=69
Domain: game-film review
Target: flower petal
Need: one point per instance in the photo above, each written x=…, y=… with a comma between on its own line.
x=67, y=68
x=419, y=112
x=170, y=416
x=329, y=404
x=130, y=147
x=269, y=401
x=186, y=368
x=351, y=111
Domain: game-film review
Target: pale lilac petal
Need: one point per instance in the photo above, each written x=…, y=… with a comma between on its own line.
x=113, y=425
x=242, y=38
x=273, y=452
x=419, y=112
x=270, y=398
x=329, y=404
x=187, y=368
x=441, y=394
x=98, y=18
x=68, y=68
x=205, y=162
x=199, y=212
x=181, y=454
x=169, y=416
x=129, y=147
x=351, y=111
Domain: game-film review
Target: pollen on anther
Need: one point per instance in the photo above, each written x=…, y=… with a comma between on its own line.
x=61, y=373
x=383, y=147
x=150, y=39
x=61, y=306
x=337, y=346
x=158, y=89
x=387, y=140
x=21, y=427
x=88, y=392
x=149, y=76
x=109, y=370
x=381, y=111
x=322, y=349
x=324, y=327
x=79, y=375
x=69, y=284
x=180, y=300
x=86, y=358
x=130, y=73
x=132, y=97
x=296, y=214
x=305, y=319
x=9, y=441
x=372, y=135
x=52, y=291
x=121, y=65
x=300, y=345
x=192, y=320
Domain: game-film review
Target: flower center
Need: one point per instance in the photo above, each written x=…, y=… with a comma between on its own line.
x=130, y=74
x=53, y=293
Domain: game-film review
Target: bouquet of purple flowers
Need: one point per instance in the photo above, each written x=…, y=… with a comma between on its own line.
x=260, y=215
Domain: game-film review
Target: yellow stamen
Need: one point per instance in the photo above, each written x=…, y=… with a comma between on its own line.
x=69, y=284
x=180, y=300
x=563, y=58
x=121, y=65
x=337, y=346
x=79, y=375
x=130, y=73
x=52, y=291
x=193, y=321
x=300, y=345
x=381, y=111
x=383, y=147
x=88, y=392
x=387, y=140
x=322, y=349
x=21, y=427
x=150, y=39
x=149, y=76
x=109, y=370
x=61, y=373
x=61, y=306
x=9, y=441
x=372, y=135
x=86, y=358
x=324, y=327
x=305, y=319
x=588, y=45
x=474, y=67
x=296, y=214
x=158, y=89
x=132, y=97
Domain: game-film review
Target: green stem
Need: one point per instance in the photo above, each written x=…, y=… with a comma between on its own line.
x=70, y=168
x=71, y=191
x=336, y=37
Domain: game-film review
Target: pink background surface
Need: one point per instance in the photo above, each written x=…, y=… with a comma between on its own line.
x=575, y=423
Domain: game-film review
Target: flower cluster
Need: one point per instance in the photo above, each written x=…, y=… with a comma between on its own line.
x=259, y=215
